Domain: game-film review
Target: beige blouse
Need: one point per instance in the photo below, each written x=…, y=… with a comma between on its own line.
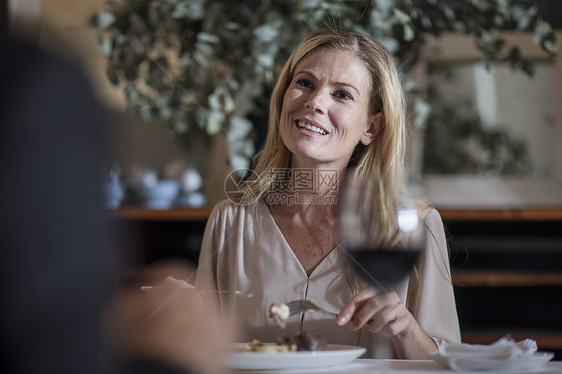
x=244, y=250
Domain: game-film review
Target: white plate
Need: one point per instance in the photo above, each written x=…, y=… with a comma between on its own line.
x=334, y=354
x=517, y=364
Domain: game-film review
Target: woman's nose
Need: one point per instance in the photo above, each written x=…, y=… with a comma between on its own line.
x=317, y=102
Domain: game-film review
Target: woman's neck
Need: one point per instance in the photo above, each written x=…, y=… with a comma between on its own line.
x=315, y=179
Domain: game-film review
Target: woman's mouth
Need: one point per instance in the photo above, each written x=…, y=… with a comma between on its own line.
x=305, y=125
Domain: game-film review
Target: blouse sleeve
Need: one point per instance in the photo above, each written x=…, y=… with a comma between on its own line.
x=432, y=300
x=212, y=244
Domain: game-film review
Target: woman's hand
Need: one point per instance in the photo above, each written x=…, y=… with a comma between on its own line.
x=385, y=314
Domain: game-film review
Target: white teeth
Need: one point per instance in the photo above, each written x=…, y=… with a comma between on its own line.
x=308, y=126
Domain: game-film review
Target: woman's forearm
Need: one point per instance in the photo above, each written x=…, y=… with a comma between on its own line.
x=414, y=343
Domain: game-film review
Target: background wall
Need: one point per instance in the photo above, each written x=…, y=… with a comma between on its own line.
x=63, y=26
x=517, y=98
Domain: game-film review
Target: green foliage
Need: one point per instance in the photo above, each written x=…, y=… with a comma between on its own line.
x=206, y=65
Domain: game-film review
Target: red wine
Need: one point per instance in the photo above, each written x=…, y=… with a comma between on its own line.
x=383, y=267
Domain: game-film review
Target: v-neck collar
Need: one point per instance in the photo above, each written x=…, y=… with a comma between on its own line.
x=326, y=263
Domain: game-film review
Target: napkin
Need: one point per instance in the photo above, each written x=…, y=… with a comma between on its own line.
x=474, y=357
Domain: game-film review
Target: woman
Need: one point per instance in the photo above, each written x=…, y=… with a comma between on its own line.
x=338, y=102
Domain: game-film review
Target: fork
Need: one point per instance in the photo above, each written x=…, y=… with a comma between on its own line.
x=299, y=306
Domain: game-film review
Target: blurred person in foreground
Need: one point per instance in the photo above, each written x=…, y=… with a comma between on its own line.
x=338, y=102
x=167, y=329
x=59, y=264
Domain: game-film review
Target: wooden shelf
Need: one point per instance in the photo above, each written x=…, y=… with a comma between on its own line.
x=503, y=278
x=172, y=214
x=188, y=214
x=546, y=339
x=508, y=214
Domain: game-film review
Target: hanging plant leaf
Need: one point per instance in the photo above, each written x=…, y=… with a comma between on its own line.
x=112, y=76
x=188, y=49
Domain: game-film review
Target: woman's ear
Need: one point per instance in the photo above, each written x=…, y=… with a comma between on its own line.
x=375, y=127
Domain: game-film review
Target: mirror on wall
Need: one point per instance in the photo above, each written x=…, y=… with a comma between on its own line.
x=491, y=120
x=494, y=134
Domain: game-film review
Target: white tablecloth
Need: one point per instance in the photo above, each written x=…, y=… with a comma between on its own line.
x=371, y=366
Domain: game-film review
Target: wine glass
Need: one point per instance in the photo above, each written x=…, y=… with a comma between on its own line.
x=381, y=230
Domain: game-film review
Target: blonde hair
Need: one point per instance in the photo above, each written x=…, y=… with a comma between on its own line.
x=384, y=156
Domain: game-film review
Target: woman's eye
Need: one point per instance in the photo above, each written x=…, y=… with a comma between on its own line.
x=304, y=82
x=343, y=95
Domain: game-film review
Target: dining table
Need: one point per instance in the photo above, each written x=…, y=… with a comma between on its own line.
x=393, y=366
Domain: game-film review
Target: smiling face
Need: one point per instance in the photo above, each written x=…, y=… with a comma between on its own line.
x=325, y=111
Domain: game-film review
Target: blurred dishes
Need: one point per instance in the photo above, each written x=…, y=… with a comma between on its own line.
x=160, y=194
x=191, y=180
x=176, y=185
x=114, y=191
x=333, y=355
x=192, y=200
x=113, y=187
x=191, y=183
